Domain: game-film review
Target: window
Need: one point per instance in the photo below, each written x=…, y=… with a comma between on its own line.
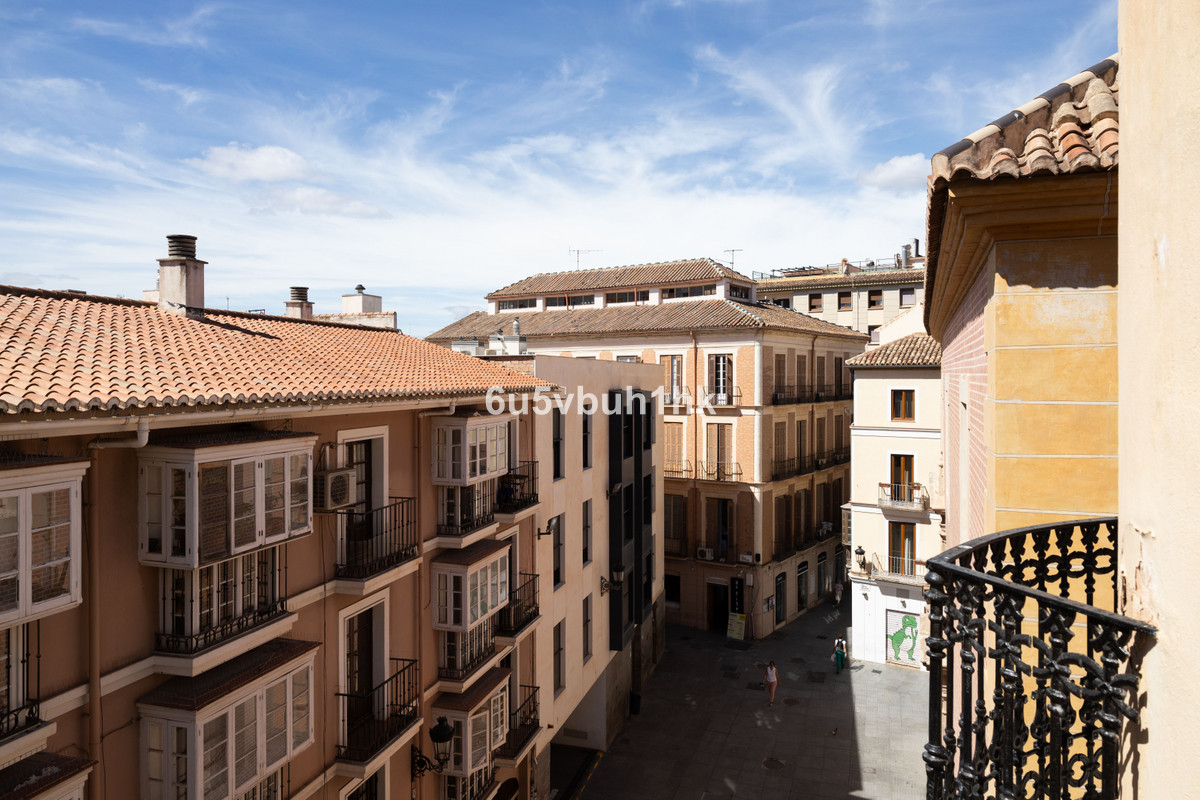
x=670, y=293
x=901, y=548
x=39, y=541
x=464, y=595
x=642, y=296
x=582, y=300
x=674, y=377
x=587, y=531
x=465, y=450
x=556, y=302
x=908, y=297
x=720, y=377
x=477, y=734
x=902, y=405
x=844, y=302
x=370, y=789
x=587, y=627
x=739, y=292
x=671, y=592
x=586, y=416
x=239, y=746
x=630, y=359
x=783, y=302
x=814, y=303
x=524, y=302
x=557, y=441
x=675, y=523
x=875, y=298
x=200, y=505
x=673, y=436
x=560, y=660
x=873, y=332
x=559, y=572
x=462, y=509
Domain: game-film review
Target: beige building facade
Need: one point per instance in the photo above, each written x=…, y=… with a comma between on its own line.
x=234, y=567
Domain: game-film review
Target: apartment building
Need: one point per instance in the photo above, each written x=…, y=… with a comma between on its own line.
x=862, y=295
x=896, y=497
x=246, y=556
x=756, y=410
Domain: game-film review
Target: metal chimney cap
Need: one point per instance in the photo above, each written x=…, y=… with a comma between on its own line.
x=300, y=293
x=360, y=288
x=181, y=245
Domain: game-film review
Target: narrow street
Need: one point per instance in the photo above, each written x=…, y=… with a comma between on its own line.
x=705, y=730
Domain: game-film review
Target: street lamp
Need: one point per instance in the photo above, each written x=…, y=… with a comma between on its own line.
x=440, y=735
x=862, y=557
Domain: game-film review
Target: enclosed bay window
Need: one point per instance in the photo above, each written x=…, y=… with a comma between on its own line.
x=462, y=509
x=235, y=747
x=202, y=504
x=467, y=449
x=470, y=585
x=477, y=733
x=40, y=516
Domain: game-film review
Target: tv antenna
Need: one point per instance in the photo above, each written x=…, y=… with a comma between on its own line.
x=580, y=252
x=732, y=253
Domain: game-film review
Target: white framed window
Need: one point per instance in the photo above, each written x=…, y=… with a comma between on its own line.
x=462, y=509
x=477, y=733
x=467, y=449
x=232, y=749
x=465, y=594
x=204, y=504
x=40, y=566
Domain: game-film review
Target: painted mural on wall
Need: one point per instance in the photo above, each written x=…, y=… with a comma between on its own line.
x=903, y=642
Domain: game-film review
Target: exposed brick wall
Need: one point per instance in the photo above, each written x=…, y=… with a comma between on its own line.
x=964, y=355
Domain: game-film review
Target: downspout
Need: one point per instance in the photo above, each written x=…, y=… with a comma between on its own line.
x=95, y=727
x=696, y=418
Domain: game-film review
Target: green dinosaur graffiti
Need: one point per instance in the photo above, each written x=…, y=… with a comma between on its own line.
x=908, y=628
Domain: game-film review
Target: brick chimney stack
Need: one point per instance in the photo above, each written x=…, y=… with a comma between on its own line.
x=181, y=278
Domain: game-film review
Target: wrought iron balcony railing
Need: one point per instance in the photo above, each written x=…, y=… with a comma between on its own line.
x=524, y=724
x=518, y=489
x=782, y=468
x=1029, y=668
x=14, y=720
x=463, y=654
x=378, y=540
x=719, y=471
x=724, y=396
x=470, y=520
x=371, y=719
x=675, y=545
x=677, y=469
x=906, y=496
x=190, y=644
x=522, y=607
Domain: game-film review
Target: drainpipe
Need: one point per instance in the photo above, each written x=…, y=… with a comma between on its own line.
x=95, y=728
x=696, y=417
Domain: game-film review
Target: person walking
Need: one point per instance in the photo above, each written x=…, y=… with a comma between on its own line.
x=771, y=679
x=837, y=593
x=839, y=653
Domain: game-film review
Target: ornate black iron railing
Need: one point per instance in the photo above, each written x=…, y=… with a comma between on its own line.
x=782, y=468
x=524, y=723
x=463, y=654
x=522, y=607
x=190, y=644
x=518, y=489
x=481, y=513
x=719, y=471
x=371, y=719
x=1031, y=708
x=378, y=539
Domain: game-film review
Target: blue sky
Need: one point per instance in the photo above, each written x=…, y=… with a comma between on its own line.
x=434, y=151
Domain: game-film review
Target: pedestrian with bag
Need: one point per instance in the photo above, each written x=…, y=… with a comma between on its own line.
x=839, y=653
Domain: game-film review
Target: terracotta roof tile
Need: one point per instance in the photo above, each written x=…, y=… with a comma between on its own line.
x=688, y=315
x=913, y=275
x=914, y=350
x=62, y=351
x=1071, y=128
x=589, y=280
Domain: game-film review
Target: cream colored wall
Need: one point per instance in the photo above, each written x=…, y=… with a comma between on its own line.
x=1160, y=385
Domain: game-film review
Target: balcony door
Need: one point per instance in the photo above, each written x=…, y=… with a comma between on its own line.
x=720, y=451
x=720, y=370
x=362, y=675
x=902, y=478
x=902, y=542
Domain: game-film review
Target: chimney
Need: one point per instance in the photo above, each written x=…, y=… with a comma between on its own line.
x=916, y=248
x=361, y=303
x=298, y=306
x=181, y=278
x=907, y=254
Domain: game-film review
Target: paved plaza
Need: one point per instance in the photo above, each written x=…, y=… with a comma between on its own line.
x=705, y=731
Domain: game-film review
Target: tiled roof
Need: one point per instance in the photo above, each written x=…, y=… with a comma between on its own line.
x=686, y=315
x=914, y=350
x=61, y=351
x=591, y=280
x=912, y=275
x=193, y=694
x=471, y=698
x=1072, y=128
x=36, y=773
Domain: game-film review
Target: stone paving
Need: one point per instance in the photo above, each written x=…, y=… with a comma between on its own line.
x=705, y=730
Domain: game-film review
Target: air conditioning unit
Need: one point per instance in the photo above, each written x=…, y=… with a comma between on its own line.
x=335, y=488
x=704, y=553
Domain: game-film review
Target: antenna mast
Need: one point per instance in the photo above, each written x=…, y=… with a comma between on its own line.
x=579, y=252
x=732, y=253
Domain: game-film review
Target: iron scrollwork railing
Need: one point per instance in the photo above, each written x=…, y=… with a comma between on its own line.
x=522, y=607
x=372, y=718
x=379, y=539
x=1031, y=709
x=518, y=489
x=191, y=644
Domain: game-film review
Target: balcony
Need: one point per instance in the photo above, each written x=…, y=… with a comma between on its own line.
x=1030, y=678
x=677, y=469
x=903, y=496
x=378, y=540
x=191, y=644
x=464, y=654
x=22, y=718
x=719, y=471
x=524, y=725
x=522, y=608
x=373, y=719
x=676, y=396
x=783, y=395
x=675, y=546
x=470, y=519
x=726, y=396
x=517, y=490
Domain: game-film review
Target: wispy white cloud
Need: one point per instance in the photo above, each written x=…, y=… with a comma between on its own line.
x=238, y=163
x=314, y=201
x=188, y=95
x=900, y=174
x=186, y=31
